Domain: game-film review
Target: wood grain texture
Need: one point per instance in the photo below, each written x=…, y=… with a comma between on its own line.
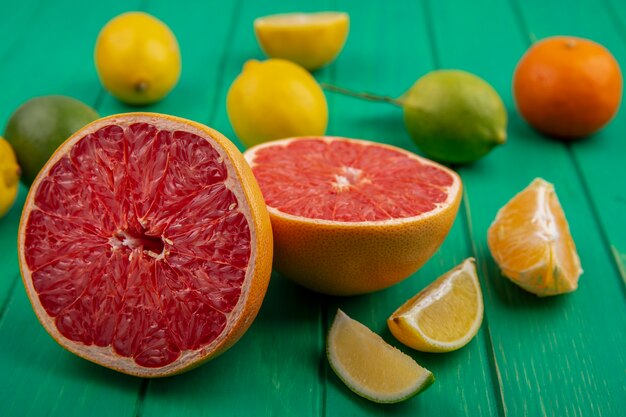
x=371, y=62
x=560, y=356
x=547, y=350
x=39, y=377
x=274, y=369
x=600, y=159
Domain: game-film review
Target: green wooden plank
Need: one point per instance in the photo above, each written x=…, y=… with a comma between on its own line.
x=274, y=368
x=8, y=244
x=202, y=38
x=556, y=356
x=14, y=23
x=58, y=63
x=39, y=377
x=387, y=52
x=604, y=175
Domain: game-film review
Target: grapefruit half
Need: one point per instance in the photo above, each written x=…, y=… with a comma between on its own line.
x=144, y=244
x=351, y=216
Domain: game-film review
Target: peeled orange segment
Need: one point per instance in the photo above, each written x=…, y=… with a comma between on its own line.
x=531, y=242
x=444, y=316
x=311, y=40
x=145, y=245
x=369, y=366
x=351, y=216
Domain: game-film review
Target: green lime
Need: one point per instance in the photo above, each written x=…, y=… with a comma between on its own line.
x=40, y=125
x=454, y=116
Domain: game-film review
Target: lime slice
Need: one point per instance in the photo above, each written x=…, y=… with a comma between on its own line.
x=369, y=366
x=444, y=316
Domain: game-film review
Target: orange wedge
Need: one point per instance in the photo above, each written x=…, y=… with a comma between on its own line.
x=531, y=242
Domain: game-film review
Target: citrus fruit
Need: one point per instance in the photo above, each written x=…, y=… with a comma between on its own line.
x=145, y=245
x=311, y=40
x=40, y=125
x=352, y=216
x=137, y=58
x=454, y=116
x=275, y=99
x=531, y=242
x=444, y=316
x=9, y=176
x=369, y=366
x=567, y=87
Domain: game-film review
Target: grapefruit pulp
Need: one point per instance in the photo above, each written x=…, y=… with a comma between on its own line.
x=351, y=216
x=145, y=245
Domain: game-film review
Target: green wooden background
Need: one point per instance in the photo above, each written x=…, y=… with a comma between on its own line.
x=562, y=356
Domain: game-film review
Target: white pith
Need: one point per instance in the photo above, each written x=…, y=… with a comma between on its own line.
x=300, y=19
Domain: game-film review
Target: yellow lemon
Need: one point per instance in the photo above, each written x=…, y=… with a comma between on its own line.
x=309, y=39
x=444, y=316
x=137, y=58
x=369, y=366
x=275, y=99
x=9, y=176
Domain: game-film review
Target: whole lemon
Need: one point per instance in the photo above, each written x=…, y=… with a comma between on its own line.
x=137, y=58
x=9, y=176
x=275, y=99
x=454, y=116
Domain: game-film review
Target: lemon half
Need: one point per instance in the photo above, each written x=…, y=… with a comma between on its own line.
x=311, y=40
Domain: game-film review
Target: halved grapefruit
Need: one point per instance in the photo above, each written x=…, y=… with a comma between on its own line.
x=145, y=245
x=351, y=216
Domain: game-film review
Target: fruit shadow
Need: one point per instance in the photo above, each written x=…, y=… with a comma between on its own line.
x=411, y=406
x=513, y=296
x=526, y=131
x=36, y=354
x=287, y=323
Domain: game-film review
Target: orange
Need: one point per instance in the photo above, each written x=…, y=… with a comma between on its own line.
x=567, y=87
x=351, y=216
x=531, y=242
x=144, y=244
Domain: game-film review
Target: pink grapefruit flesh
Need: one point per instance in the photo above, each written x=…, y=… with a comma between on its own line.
x=346, y=181
x=138, y=242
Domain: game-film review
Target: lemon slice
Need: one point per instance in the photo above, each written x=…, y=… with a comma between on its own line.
x=369, y=366
x=444, y=316
x=311, y=40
